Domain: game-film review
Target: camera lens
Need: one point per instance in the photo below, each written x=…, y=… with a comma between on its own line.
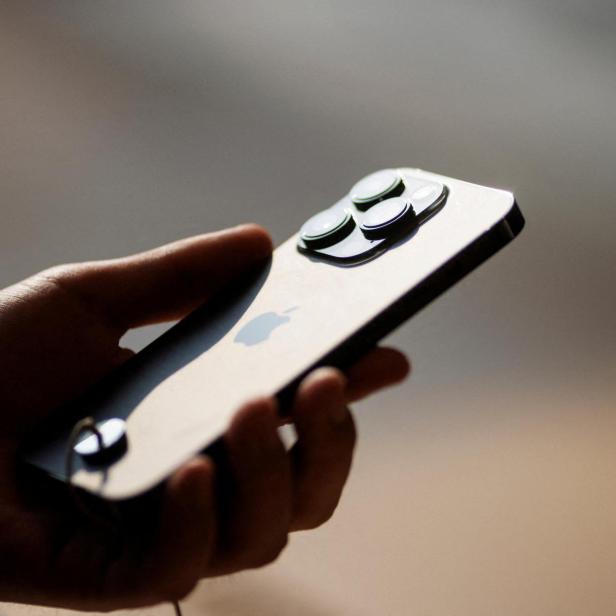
x=387, y=217
x=376, y=187
x=327, y=228
x=426, y=196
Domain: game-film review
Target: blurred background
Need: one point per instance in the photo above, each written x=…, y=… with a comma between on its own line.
x=487, y=483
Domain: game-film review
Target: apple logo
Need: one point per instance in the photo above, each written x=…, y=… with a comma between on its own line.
x=259, y=329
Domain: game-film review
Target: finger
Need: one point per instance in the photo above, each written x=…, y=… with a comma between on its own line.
x=183, y=546
x=322, y=455
x=188, y=530
x=379, y=368
x=258, y=513
x=167, y=282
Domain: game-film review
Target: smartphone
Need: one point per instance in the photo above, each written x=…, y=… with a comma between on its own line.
x=351, y=274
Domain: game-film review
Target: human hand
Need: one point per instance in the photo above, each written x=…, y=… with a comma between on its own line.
x=60, y=333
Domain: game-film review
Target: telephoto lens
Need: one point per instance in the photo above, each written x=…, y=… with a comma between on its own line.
x=376, y=187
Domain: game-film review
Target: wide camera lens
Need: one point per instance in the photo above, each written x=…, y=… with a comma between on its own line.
x=327, y=228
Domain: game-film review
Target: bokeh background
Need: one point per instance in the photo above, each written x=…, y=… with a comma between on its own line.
x=487, y=483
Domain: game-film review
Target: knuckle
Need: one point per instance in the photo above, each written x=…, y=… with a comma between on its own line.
x=60, y=274
x=268, y=554
x=180, y=590
x=64, y=278
x=309, y=516
x=315, y=519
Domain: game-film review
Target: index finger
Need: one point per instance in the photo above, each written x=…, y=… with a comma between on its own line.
x=164, y=283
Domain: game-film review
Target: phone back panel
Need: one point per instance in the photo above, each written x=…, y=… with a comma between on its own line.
x=178, y=395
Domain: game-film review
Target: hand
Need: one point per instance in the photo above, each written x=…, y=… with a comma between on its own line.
x=59, y=333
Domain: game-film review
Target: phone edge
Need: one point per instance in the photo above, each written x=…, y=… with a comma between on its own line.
x=414, y=300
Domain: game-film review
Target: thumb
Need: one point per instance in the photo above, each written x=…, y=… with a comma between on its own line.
x=167, y=282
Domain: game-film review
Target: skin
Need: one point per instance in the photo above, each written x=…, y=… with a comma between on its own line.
x=59, y=334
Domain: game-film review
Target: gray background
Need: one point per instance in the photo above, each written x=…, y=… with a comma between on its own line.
x=487, y=483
